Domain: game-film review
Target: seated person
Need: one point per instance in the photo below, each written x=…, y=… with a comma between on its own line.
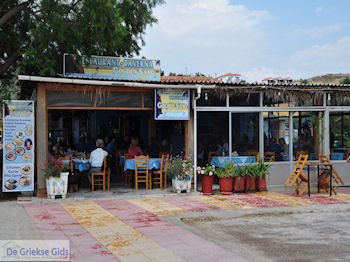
x=134, y=147
x=96, y=158
x=274, y=147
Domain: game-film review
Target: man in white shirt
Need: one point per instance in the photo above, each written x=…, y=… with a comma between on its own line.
x=96, y=158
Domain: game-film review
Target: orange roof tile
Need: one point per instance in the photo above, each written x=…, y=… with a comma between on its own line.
x=267, y=78
x=229, y=74
x=200, y=79
x=277, y=78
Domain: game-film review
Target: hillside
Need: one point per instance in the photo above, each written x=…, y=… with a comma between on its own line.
x=325, y=79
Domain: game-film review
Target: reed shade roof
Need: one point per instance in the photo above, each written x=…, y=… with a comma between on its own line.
x=283, y=93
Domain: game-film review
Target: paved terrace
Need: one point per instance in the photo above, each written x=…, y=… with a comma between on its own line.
x=169, y=227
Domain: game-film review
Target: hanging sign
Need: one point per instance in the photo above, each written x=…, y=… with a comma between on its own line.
x=172, y=104
x=109, y=67
x=18, y=153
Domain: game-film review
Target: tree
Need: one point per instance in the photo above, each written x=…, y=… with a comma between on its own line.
x=36, y=33
x=305, y=82
x=346, y=81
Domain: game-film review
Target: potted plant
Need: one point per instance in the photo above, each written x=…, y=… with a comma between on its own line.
x=56, y=178
x=226, y=178
x=239, y=179
x=180, y=171
x=262, y=170
x=207, y=173
x=249, y=173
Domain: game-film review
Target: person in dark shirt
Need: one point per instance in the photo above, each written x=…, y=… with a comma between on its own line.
x=274, y=147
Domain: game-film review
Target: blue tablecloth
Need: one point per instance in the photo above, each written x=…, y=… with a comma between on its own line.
x=221, y=161
x=337, y=156
x=153, y=163
x=79, y=164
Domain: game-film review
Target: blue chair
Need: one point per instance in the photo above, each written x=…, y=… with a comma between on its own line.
x=312, y=156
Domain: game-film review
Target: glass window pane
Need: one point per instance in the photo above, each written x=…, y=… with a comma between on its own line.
x=212, y=135
x=119, y=99
x=244, y=100
x=211, y=99
x=149, y=99
x=276, y=102
x=276, y=134
x=338, y=100
x=245, y=134
x=309, y=101
x=69, y=98
x=306, y=139
x=339, y=123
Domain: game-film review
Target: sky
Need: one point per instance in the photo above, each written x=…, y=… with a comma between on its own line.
x=255, y=38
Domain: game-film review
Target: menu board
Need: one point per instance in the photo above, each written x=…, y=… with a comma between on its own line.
x=18, y=154
x=172, y=104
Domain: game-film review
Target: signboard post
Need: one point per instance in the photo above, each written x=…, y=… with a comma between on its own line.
x=18, y=154
x=172, y=104
x=107, y=67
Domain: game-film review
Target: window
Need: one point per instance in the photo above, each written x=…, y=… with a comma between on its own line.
x=245, y=133
x=306, y=133
x=339, y=138
x=119, y=99
x=276, y=134
x=70, y=99
x=244, y=99
x=210, y=98
x=338, y=100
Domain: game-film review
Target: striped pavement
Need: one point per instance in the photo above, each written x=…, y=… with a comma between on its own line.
x=134, y=229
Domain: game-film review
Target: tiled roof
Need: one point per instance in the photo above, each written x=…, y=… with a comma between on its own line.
x=189, y=79
x=277, y=78
x=267, y=78
x=229, y=74
x=287, y=78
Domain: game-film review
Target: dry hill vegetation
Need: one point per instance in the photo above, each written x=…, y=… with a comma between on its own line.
x=326, y=79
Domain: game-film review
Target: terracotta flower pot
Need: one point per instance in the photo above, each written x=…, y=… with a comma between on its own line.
x=226, y=185
x=260, y=184
x=207, y=185
x=239, y=184
x=249, y=183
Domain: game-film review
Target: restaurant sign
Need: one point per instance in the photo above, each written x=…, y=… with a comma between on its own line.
x=172, y=104
x=107, y=67
x=18, y=153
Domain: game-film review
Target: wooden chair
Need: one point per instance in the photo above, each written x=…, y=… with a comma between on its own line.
x=297, y=178
x=127, y=173
x=211, y=154
x=99, y=178
x=254, y=153
x=335, y=175
x=269, y=156
x=69, y=166
x=158, y=176
x=141, y=171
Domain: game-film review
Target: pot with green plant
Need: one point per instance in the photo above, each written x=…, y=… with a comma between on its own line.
x=56, y=178
x=207, y=173
x=181, y=172
x=249, y=173
x=239, y=179
x=262, y=170
x=226, y=176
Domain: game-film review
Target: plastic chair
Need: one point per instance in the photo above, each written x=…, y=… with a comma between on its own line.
x=297, y=177
x=99, y=178
x=141, y=171
x=158, y=175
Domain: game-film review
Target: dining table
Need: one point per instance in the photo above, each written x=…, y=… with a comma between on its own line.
x=79, y=164
x=221, y=161
x=319, y=164
x=153, y=163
